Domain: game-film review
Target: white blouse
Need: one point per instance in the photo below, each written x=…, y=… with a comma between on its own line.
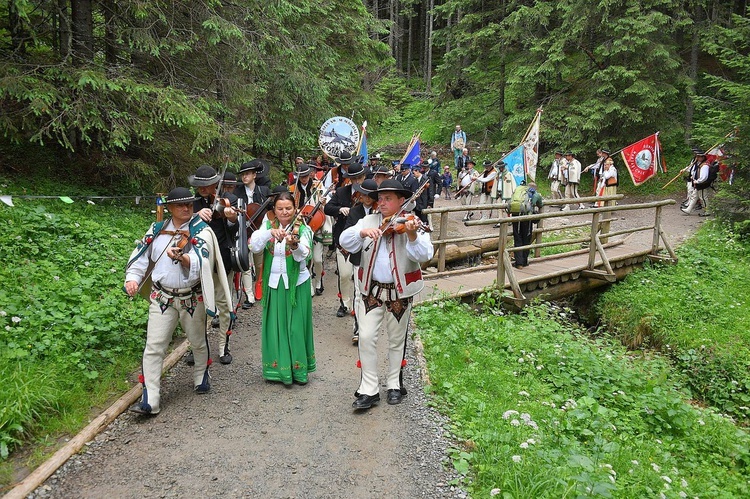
x=260, y=239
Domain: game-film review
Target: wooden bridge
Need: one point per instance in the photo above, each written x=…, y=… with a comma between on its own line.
x=600, y=257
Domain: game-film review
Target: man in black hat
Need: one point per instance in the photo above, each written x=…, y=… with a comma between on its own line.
x=223, y=221
x=698, y=174
x=389, y=277
x=426, y=197
x=252, y=194
x=173, y=265
x=406, y=177
x=382, y=172
x=364, y=206
x=342, y=162
x=302, y=186
x=338, y=208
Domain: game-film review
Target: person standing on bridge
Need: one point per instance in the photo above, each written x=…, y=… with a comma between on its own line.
x=389, y=277
x=532, y=203
x=182, y=252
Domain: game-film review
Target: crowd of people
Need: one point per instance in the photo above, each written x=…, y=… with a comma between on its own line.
x=371, y=218
x=195, y=270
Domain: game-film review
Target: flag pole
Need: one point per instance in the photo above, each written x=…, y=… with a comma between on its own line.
x=414, y=139
x=361, y=136
x=525, y=136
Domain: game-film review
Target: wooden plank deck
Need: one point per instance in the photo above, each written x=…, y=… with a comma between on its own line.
x=553, y=276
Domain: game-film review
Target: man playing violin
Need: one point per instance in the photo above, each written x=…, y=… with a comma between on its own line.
x=389, y=277
x=221, y=215
x=338, y=207
x=253, y=194
x=177, y=255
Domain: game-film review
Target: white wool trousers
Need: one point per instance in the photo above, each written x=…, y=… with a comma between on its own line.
x=346, y=284
x=161, y=326
x=369, y=328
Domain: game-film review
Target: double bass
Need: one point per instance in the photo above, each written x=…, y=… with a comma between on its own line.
x=240, y=253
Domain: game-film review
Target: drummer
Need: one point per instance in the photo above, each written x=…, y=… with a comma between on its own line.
x=251, y=193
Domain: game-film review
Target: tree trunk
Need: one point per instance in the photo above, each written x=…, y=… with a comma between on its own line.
x=17, y=33
x=63, y=29
x=409, y=46
x=83, y=30
x=110, y=31
x=692, y=75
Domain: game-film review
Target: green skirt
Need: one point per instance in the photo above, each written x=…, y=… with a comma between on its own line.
x=287, y=346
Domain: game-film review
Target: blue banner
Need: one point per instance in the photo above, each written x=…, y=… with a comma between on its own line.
x=515, y=164
x=413, y=155
x=363, y=148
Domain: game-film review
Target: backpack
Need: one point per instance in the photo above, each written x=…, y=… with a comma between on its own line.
x=520, y=201
x=713, y=174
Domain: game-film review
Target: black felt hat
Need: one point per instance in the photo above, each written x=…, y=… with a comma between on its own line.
x=203, y=177
x=355, y=170
x=230, y=179
x=180, y=195
x=303, y=169
x=345, y=158
x=382, y=170
x=392, y=185
x=368, y=187
x=256, y=165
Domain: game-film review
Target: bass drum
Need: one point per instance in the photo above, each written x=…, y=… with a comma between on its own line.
x=240, y=252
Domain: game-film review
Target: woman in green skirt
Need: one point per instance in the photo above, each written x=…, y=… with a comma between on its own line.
x=287, y=345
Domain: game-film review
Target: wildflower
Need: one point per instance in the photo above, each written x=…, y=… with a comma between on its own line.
x=7, y=328
x=508, y=414
x=515, y=422
x=531, y=441
x=56, y=277
x=526, y=417
x=524, y=445
x=77, y=224
x=87, y=263
x=523, y=393
x=634, y=462
x=90, y=201
x=701, y=422
x=683, y=483
x=612, y=478
x=658, y=441
x=516, y=459
x=520, y=360
x=683, y=494
x=539, y=367
x=3, y=313
x=656, y=467
x=494, y=492
x=16, y=319
x=532, y=424
x=666, y=478
x=113, y=270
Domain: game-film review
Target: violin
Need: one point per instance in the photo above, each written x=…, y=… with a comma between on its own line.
x=397, y=224
x=222, y=203
x=181, y=238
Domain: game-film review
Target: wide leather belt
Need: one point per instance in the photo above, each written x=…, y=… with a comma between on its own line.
x=178, y=292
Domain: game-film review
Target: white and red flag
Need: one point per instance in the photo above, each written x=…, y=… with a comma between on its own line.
x=643, y=158
x=531, y=146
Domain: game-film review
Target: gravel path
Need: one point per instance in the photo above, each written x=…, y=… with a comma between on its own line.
x=250, y=438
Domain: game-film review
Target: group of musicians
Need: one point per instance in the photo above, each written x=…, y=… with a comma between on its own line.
x=271, y=244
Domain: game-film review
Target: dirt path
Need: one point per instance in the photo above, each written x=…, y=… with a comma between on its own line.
x=250, y=438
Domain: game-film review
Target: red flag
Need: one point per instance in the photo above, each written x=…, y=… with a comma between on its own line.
x=642, y=158
x=717, y=154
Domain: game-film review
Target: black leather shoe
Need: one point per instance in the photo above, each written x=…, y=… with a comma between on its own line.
x=319, y=291
x=366, y=401
x=342, y=311
x=394, y=396
x=226, y=359
x=247, y=304
x=143, y=409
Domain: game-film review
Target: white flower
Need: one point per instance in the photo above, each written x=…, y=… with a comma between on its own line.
x=3, y=313
x=7, y=328
x=523, y=393
x=87, y=263
x=531, y=441
x=683, y=482
x=56, y=277
x=515, y=422
x=494, y=492
x=539, y=367
x=508, y=414
x=526, y=416
x=612, y=478
x=532, y=424
x=656, y=467
x=634, y=462
x=16, y=319
x=682, y=493
x=701, y=422
x=90, y=201
x=666, y=478
x=516, y=459
x=77, y=224
x=524, y=445
x=113, y=270
x=520, y=360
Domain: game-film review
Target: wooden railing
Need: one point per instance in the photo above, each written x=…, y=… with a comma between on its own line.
x=599, y=233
